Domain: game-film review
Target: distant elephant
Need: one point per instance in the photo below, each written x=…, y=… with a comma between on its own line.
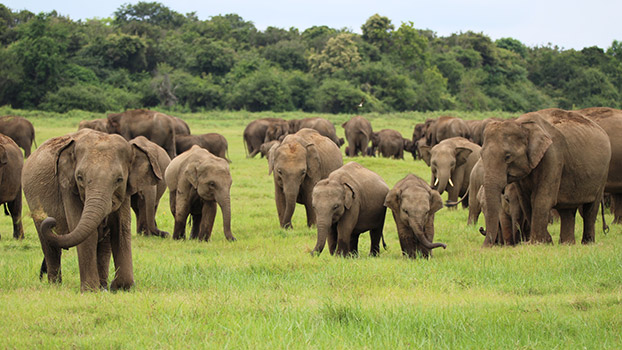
x=358, y=133
x=611, y=121
x=197, y=181
x=265, y=147
x=559, y=159
x=276, y=131
x=445, y=127
x=255, y=133
x=389, y=143
x=476, y=129
x=414, y=203
x=155, y=126
x=181, y=127
x=419, y=131
x=20, y=130
x=298, y=163
x=81, y=184
x=347, y=203
x=147, y=197
x=323, y=126
x=451, y=162
x=213, y=142
x=11, y=163
x=100, y=124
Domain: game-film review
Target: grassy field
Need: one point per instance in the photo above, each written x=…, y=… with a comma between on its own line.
x=265, y=291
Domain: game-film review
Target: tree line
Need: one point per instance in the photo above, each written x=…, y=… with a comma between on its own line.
x=148, y=55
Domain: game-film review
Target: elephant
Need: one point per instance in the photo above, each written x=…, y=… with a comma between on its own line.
x=276, y=131
x=445, y=127
x=559, y=159
x=155, y=126
x=100, y=124
x=348, y=202
x=11, y=164
x=20, y=130
x=611, y=121
x=81, y=184
x=213, y=142
x=389, y=143
x=476, y=129
x=198, y=180
x=413, y=204
x=358, y=133
x=298, y=163
x=181, y=127
x=513, y=224
x=476, y=180
x=265, y=147
x=323, y=126
x=147, y=197
x=451, y=162
x=255, y=133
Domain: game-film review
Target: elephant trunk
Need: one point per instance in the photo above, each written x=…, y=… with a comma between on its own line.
x=322, y=234
x=442, y=181
x=291, y=193
x=96, y=207
x=493, y=189
x=225, y=208
x=420, y=234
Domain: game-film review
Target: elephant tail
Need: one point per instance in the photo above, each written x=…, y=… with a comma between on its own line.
x=450, y=204
x=602, y=210
x=6, y=211
x=384, y=244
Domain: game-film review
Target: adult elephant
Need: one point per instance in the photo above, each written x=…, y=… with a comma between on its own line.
x=20, y=130
x=100, y=124
x=451, y=162
x=446, y=127
x=476, y=129
x=347, y=203
x=298, y=163
x=414, y=203
x=11, y=163
x=358, y=132
x=81, y=184
x=155, y=126
x=559, y=159
x=147, y=197
x=197, y=181
x=323, y=126
x=181, y=127
x=213, y=142
x=611, y=121
x=388, y=143
x=255, y=133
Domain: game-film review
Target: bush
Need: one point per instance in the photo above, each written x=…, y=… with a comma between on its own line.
x=262, y=90
x=89, y=98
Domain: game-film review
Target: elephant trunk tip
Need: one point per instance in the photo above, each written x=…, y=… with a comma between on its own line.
x=46, y=229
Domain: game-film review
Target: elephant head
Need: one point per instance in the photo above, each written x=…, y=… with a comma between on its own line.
x=330, y=201
x=414, y=204
x=275, y=131
x=443, y=159
x=113, y=124
x=510, y=152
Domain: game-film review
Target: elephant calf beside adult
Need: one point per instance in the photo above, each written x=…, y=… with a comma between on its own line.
x=213, y=142
x=263, y=130
x=11, y=164
x=155, y=126
x=20, y=130
x=389, y=143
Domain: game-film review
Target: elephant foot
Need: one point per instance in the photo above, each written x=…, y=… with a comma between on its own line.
x=18, y=235
x=160, y=233
x=118, y=284
x=231, y=239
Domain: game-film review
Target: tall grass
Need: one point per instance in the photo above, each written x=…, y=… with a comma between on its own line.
x=265, y=291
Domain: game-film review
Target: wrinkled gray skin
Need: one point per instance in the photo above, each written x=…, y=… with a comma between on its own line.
x=323, y=126
x=155, y=126
x=389, y=143
x=298, y=163
x=198, y=180
x=255, y=133
x=414, y=203
x=347, y=203
x=611, y=121
x=358, y=132
x=100, y=124
x=265, y=147
x=559, y=159
x=451, y=162
x=147, y=197
x=445, y=127
x=81, y=184
x=11, y=163
x=20, y=130
x=213, y=142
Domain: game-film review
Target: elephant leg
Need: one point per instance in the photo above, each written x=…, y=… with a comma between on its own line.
x=207, y=223
x=308, y=203
x=51, y=263
x=566, y=231
x=474, y=210
x=15, y=209
x=148, y=213
x=345, y=228
x=616, y=204
x=196, y=225
x=590, y=212
x=104, y=251
x=375, y=236
x=406, y=237
x=121, y=244
x=332, y=239
x=353, y=249
x=87, y=261
x=181, y=212
x=279, y=198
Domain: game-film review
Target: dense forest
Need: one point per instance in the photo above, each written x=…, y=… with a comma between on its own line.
x=148, y=55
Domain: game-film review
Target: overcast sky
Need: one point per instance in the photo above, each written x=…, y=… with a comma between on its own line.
x=567, y=24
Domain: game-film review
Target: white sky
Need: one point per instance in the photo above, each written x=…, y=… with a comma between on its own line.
x=568, y=24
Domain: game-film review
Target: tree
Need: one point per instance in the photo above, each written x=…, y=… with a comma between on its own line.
x=377, y=31
x=339, y=54
x=148, y=12
x=411, y=47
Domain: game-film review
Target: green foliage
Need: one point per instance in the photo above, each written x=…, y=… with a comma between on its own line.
x=88, y=97
x=377, y=31
x=340, y=54
x=261, y=90
x=338, y=96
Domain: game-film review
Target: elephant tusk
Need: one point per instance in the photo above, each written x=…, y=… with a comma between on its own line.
x=451, y=183
x=436, y=182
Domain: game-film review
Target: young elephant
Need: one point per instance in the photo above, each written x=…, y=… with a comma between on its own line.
x=413, y=203
x=213, y=142
x=100, y=124
x=347, y=203
x=197, y=180
x=389, y=143
x=11, y=163
x=513, y=225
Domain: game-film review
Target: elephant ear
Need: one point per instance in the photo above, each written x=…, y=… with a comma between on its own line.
x=436, y=202
x=538, y=143
x=349, y=194
x=271, y=156
x=145, y=168
x=393, y=199
x=462, y=154
x=313, y=161
x=65, y=165
x=3, y=156
x=191, y=173
x=114, y=121
x=426, y=153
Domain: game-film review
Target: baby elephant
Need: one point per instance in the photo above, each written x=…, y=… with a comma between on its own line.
x=197, y=180
x=414, y=203
x=348, y=203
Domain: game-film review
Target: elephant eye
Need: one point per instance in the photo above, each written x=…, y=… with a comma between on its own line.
x=507, y=157
x=405, y=211
x=79, y=178
x=279, y=171
x=336, y=206
x=119, y=180
x=211, y=184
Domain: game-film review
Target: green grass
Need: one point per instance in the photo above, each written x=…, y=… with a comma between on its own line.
x=265, y=291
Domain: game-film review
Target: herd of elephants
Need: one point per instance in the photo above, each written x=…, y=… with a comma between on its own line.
x=520, y=172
